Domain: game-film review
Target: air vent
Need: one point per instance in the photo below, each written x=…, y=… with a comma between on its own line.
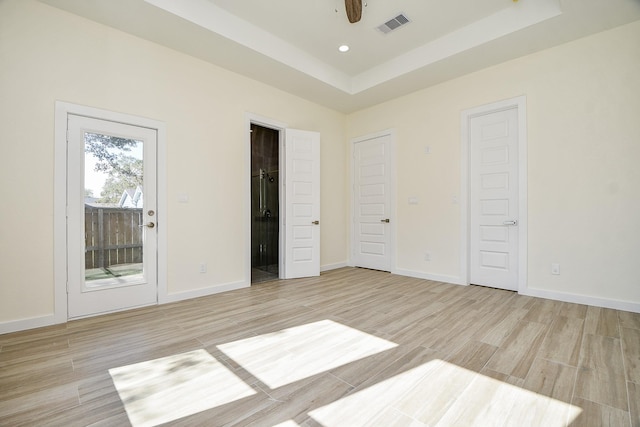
x=393, y=24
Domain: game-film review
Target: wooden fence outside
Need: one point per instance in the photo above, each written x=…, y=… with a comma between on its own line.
x=112, y=236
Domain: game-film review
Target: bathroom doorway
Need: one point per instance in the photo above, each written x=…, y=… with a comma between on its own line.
x=265, y=203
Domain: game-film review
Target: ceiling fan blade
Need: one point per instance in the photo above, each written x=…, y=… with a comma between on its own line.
x=354, y=10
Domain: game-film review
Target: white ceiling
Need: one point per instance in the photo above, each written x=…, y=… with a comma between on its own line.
x=318, y=27
x=293, y=44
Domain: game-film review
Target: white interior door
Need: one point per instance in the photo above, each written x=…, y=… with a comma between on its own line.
x=112, y=236
x=372, y=203
x=494, y=199
x=302, y=217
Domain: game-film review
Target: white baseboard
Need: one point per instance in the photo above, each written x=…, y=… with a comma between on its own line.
x=38, y=322
x=582, y=299
x=454, y=280
x=24, y=324
x=202, y=292
x=335, y=266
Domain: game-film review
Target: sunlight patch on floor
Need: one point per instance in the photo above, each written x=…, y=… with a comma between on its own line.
x=166, y=389
x=288, y=423
x=442, y=394
x=289, y=355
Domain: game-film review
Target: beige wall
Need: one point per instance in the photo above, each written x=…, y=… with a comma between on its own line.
x=48, y=55
x=583, y=109
x=583, y=100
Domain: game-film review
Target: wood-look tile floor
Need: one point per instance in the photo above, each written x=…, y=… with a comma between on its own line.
x=352, y=347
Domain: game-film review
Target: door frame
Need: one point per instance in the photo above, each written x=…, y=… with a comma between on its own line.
x=62, y=111
x=393, y=229
x=281, y=127
x=520, y=103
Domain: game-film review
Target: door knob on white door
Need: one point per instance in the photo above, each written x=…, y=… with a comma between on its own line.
x=512, y=222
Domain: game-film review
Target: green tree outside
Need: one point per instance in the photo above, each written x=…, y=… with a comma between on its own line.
x=113, y=154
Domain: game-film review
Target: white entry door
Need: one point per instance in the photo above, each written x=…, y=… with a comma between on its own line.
x=302, y=218
x=494, y=199
x=111, y=216
x=372, y=203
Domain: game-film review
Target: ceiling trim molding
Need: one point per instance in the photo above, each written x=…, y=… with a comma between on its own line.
x=206, y=30
x=499, y=24
x=215, y=19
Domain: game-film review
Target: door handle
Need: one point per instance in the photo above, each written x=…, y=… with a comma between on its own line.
x=512, y=222
x=315, y=222
x=385, y=220
x=150, y=225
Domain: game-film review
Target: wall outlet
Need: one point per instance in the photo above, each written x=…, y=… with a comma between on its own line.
x=427, y=256
x=555, y=269
x=203, y=267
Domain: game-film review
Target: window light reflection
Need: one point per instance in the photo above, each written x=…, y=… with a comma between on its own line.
x=290, y=355
x=163, y=390
x=438, y=393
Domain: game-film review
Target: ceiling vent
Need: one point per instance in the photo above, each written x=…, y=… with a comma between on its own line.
x=393, y=24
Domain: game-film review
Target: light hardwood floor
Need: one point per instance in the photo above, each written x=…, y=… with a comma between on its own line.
x=352, y=347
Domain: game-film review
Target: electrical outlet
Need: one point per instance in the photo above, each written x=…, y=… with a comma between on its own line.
x=427, y=256
x=203, y=267
x=555, y=269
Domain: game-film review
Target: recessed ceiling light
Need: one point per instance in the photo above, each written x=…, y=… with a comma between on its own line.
x=343, y=48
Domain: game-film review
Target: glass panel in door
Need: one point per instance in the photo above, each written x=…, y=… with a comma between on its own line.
x=114, y=198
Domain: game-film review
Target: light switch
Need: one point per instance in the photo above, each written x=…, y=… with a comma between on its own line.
x=183, y=198
x=413, y=200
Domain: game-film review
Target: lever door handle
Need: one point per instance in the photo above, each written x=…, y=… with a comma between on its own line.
x=385, y=220
x=150, y=225
x=315, y=222
x=511, y=222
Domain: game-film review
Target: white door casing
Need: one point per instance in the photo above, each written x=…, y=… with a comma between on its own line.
x=373, y=219
x=111, y=294
x=302, y=212
x=494, y=196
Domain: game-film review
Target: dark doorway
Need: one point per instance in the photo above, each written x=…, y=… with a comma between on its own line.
x=265, y=203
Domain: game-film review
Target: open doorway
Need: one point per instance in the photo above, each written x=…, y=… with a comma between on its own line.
x=265, y=203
